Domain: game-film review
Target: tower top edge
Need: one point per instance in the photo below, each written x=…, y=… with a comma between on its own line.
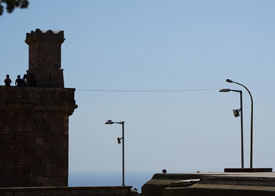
x=39, y=34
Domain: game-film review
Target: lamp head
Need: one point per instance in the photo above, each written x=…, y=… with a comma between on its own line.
x=236, y=112
x=118, y=140
x=229, y=80
x=225, y=90
x=109, y=122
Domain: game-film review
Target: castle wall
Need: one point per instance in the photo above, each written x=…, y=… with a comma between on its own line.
x=34, y=135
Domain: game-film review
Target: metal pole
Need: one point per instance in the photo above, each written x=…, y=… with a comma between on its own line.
x=241, y=109
x=251, y=125
x=123, y=158
x=242, y=149
x=251, y=134
x=110, y=122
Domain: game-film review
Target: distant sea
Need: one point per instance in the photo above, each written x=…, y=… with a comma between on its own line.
x=136, y=180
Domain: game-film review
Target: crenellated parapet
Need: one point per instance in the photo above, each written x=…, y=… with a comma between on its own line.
x=45, y=36
x=37, y=99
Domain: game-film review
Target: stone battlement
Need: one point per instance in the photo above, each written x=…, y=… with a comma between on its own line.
x=48, y=36
x=61, y=99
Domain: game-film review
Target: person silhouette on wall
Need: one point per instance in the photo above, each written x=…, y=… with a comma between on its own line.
x=18, y=81
x=7, y=81
x=30, y=80
x=24, y=80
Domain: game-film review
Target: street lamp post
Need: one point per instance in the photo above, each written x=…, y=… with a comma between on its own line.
x=241, y=110
x=251, y=125
x=110, y=122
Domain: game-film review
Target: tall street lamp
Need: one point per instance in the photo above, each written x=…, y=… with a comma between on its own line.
x=110, y=122
x=236, y=114
x=251, y=121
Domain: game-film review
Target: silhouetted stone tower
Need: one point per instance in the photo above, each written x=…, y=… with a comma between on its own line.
x=45, y=57
x=34, y=120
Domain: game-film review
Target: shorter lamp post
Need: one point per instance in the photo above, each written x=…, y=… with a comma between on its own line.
x=110, y=122
x=236, y=114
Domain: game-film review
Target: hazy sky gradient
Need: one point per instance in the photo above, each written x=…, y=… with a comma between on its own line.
x=158, y=44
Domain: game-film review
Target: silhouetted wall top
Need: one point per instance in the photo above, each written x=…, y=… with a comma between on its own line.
x=48, y=36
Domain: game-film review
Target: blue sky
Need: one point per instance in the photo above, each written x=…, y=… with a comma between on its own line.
x=158, y=44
